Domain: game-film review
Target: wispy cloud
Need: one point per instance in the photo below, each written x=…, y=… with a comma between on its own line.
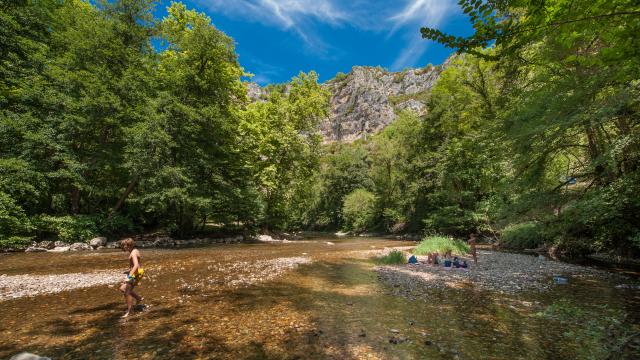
x=294, y=15
x=417, y=13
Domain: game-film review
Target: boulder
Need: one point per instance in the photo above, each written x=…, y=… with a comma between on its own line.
x=79, y=246
x=113, y=245
x=35, y=249
x=46, y=244
x=59, y=249
x=28, y=356
x=163, y=241
x=98, y=241
x=59, y=243
x=266, y=238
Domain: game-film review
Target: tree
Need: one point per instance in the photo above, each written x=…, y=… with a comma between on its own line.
x=358, y=210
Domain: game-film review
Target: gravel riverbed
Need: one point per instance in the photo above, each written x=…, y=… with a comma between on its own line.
x=233, y=274
x=495, y=271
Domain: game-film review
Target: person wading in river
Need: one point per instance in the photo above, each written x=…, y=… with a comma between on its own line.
x=133, y=276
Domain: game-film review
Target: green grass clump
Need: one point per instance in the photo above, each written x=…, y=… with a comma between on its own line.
x=393, y=258
x=441, y=244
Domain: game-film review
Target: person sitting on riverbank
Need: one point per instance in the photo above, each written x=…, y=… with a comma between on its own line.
x=133, y=276
x=447, y=262
x=432, y=258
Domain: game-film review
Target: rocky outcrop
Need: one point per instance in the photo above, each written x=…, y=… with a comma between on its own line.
x=367, y=99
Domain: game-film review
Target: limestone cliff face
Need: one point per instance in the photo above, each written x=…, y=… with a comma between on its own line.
x=367, y=99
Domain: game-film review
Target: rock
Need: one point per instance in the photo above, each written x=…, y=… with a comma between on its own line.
x=365, y=101
x=98, y=241
x=397, y=340
x=113, y=245
x=395, y=331
x=266, y=238
x=79, y=246
x=341, y=234
x=330, y=243
x=28, y=356
x=59, y=243
x=46, y=244
x=59, y=249
x=35, y=249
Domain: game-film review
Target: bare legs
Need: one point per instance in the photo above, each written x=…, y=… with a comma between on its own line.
x=130, y=296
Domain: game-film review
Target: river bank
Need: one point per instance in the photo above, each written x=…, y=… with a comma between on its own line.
x=502, y=272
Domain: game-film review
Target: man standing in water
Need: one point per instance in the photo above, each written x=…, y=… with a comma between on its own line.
x=133, y=276
x=472, y=245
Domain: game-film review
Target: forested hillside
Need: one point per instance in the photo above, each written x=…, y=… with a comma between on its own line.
x=530, y=136
x=102, y=134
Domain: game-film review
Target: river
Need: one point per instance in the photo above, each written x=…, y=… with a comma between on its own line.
x=314, y=299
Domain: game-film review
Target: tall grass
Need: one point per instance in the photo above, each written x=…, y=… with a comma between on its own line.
x=393, y=258
x=441, y=244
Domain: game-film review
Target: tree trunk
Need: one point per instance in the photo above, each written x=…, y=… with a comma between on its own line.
x=125, y=195
x=75, y=200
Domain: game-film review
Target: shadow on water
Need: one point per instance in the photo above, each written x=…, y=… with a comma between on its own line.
x=334, y=308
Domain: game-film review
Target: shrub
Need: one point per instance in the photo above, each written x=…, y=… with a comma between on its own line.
x=528, y=235
x=441, y=244
x=15, y=226
x=68, y=228
x=15, y=242
x=393, y=258
x=358, y=210
x=340, y=76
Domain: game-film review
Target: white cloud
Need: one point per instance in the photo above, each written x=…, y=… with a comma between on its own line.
x=284, y=13
x=294, y=15
x=415, y=14
x=400, y=19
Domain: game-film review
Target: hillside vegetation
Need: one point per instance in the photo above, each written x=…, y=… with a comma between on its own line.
x=529, y=136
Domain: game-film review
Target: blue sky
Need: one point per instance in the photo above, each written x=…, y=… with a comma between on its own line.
x=276, y=39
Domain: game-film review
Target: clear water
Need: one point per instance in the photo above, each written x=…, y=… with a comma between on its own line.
x=333, y=308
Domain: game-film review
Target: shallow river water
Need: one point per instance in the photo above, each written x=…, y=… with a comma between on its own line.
x=302, y=300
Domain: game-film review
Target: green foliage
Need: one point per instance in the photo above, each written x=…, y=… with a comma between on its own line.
x=339, y=77
x=14, y=223
x=358, y=210
x=68, y=228
x=395, y=257
x=280, y=136
x=441, y=245
x=528, y=235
